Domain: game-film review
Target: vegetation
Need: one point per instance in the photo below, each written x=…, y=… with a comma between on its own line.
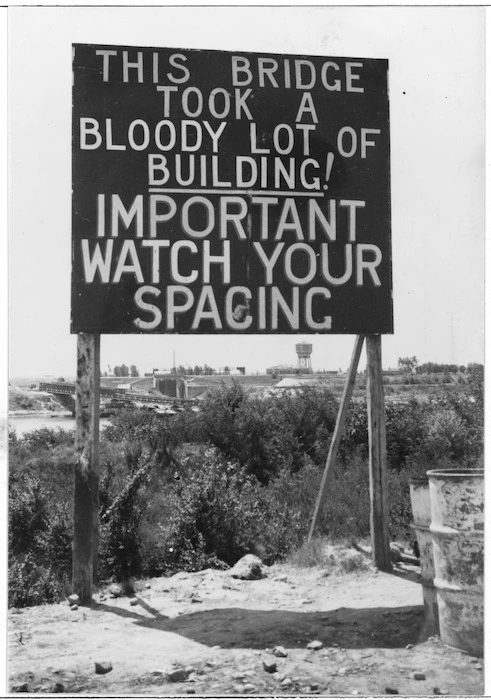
x=201, y=489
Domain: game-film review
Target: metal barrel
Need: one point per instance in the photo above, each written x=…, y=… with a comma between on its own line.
x=419, y=491
x=457, y=527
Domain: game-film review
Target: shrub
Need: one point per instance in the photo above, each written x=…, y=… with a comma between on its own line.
x=39, y=545
x=33, y=583
x=48, y=438
x=121, y=513
x=268, y=435
x=215, y=515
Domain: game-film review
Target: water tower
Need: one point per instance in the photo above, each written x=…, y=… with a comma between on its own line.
x=304, y=351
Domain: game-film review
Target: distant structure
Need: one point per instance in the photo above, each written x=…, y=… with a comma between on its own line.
x=304, y=351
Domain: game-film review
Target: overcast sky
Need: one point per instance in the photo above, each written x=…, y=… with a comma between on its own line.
x=436, y=80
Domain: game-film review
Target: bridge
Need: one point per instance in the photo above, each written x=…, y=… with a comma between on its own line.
x=65, y=393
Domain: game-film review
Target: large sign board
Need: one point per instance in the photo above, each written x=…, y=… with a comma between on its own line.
x=229, y=192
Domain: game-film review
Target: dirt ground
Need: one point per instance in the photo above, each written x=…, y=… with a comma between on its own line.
x=207, y=633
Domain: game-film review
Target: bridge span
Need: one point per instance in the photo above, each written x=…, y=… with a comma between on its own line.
x=65, y=393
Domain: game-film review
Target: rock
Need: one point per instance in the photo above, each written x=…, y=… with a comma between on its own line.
x=418, y=676
x=270, y=666
x=248, y=568
x=58, y=688
x=73, y=599
x=21, y=688
x=133, y=601
x=286, y=683
x=343, y=671
x=102, y=667
x=73, y=607
x=391, y=691
x=409, y=646
x=478, y=667
x=314, y=686
x=190, y=691
x=249, y=688
x=280, y=652
x=315, y=645
x=279, y=676
x=147, y=586
x=115, y=590
x=178, y=675
x=239, y=689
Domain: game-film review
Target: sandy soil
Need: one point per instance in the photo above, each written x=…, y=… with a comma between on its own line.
x=217, y=633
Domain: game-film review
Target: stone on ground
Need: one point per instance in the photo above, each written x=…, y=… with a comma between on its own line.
x=249, y=568
x=102, y=667
x=280, y=652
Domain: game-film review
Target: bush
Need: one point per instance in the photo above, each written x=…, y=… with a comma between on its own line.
x=215, y=515
x=48, y=438
x=39, y=545
x=250, y=485
x=268, y=435
x=33, y=583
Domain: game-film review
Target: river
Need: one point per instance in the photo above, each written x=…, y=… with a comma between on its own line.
x=28, y=423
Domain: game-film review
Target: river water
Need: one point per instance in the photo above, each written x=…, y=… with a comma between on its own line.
x=26, y=424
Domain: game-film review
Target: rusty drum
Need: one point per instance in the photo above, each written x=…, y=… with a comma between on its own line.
x=419, y=490
x=457, y=527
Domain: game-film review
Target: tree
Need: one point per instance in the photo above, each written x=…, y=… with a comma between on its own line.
x=134, y=371
x=408, y=364
x=125, y=372
x=117, y=371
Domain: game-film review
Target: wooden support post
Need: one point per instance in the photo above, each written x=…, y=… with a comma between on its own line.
x=338, y=431
x=86, y=477
x=379, y=498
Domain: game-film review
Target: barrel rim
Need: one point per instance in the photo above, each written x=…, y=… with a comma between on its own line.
x=455, y=473
x=419, y=481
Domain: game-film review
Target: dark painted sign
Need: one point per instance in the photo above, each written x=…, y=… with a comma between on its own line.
x=219, y=192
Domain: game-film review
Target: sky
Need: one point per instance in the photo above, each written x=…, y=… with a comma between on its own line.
x=436, y=84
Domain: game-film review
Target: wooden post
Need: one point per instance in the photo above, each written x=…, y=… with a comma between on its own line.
x=86, y=477
x=379, y=498
x=338, y=431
